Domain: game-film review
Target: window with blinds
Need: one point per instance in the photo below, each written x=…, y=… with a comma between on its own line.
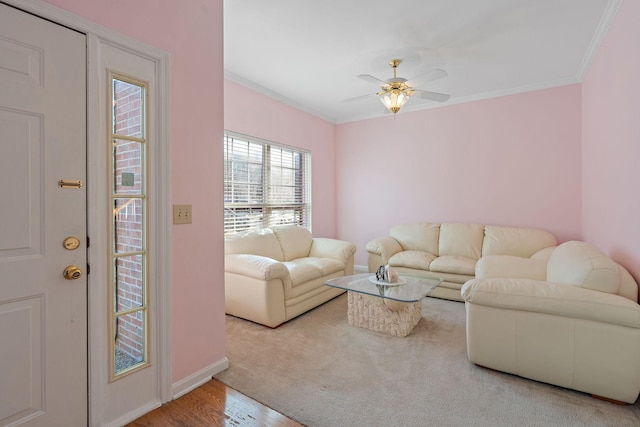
x=265, y=184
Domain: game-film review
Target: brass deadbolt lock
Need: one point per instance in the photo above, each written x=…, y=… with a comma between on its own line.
x=72, y=272
x=71, y=243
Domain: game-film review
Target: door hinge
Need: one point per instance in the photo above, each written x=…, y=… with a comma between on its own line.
x=88, y=269
x=88, y=241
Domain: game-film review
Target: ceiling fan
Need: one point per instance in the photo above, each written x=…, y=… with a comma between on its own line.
x=395, y=91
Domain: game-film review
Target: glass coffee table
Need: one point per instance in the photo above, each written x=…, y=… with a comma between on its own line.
x=391, y=308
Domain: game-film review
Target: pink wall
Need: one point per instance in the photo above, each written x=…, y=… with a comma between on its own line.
x=192, y=33
x=611, y=142
x=254, y=114
x=513, y=160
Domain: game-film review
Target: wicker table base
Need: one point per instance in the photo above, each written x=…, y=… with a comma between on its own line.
x=383, y=315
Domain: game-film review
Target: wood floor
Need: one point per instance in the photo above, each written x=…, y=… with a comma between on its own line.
x=214, y=404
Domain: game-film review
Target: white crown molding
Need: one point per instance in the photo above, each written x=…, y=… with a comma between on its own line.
x=407, y=109
x=598, y=37
x=466, y=99
x=274, y=95
x=610, y=10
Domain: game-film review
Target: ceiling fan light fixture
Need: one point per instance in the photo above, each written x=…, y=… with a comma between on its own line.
x=394, y=100
x=395, y=92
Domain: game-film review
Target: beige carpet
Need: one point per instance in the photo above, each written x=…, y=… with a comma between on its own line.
x=320, y=371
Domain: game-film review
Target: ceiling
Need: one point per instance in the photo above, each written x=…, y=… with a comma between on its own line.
x=308, y=53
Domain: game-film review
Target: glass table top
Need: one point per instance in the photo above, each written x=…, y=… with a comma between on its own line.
x=414, y=289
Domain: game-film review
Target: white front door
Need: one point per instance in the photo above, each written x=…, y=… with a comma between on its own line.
x=43, y=315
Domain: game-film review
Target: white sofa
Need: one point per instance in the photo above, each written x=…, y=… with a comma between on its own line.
x=573, y=321
x=451, y=250
x=275, y=274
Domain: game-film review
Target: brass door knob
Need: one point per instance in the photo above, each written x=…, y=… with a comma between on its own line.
x=72, y=272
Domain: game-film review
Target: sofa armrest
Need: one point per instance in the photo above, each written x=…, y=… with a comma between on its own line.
x=385, y=247
x=509, y=266
x=323, y=247
x=255, y=266
x=536, y=296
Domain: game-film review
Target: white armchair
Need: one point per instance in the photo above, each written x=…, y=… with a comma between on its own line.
x=573, y=321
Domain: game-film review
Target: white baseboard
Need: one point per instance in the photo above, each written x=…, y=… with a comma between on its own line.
x=134, y=415
x=196, y=379
x=357, y=269
x=178, y=389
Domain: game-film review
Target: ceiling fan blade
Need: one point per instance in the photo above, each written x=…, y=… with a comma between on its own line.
x=433, y=96
x=358, y=98
x=371, y=79
x=427, y=77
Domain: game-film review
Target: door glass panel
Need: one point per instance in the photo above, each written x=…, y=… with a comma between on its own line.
x=128, y=346
x=128, y=225
x=128, y=108
x=127, y=166
x=129, y=349
x=129, y=279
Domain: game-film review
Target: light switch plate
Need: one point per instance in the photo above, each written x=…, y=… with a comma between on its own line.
x=182, y=214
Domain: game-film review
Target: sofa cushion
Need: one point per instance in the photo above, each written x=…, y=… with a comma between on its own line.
x=417, y=237
x=260, y=242
x=516, y=241
x=584, y=265
x=295, y=241
x=543, y=254
x=461, y=240
x=326, y=266
x=302, y=271
x=511, y=266
x=412, y=259
x=454, y=264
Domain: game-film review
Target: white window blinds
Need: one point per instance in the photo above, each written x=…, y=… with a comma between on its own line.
x=265, y=184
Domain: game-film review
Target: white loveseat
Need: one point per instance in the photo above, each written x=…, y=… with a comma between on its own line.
x=451, y=250
x=573, y=321
x=275, y=274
